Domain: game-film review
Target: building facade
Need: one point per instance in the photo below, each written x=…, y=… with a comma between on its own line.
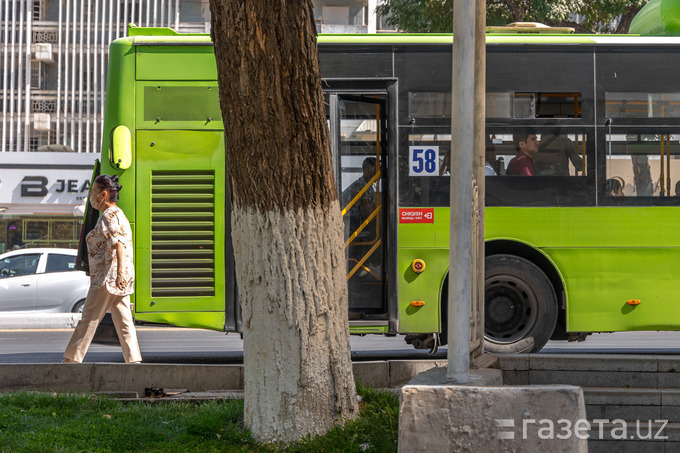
x=54, y=61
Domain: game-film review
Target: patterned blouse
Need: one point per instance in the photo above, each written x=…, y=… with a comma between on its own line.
x=112, y=227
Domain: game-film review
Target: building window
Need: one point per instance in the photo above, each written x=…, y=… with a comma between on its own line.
x=37, y=10
x=37, y=74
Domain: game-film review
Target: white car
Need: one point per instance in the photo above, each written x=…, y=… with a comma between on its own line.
x=42, y=279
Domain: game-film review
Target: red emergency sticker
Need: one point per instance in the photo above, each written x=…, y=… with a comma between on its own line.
x=416, y=215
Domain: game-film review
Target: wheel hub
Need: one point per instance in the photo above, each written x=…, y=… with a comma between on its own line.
x=510, y=308
x=501, y=309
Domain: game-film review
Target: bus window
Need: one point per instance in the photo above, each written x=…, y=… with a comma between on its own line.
x=429, y=104
x=558, y=174
x=425, y=168
x=642, y=105
x=530, y=105
x=561, y=152
x=499, y=105
x=647, y=165
x=559, y=165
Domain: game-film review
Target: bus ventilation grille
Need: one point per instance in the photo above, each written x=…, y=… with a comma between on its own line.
x=182, y=233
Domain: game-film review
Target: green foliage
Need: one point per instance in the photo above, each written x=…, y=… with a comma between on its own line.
x=598, y=14
x=436, y=16
x=31, y=422
x=419, y=16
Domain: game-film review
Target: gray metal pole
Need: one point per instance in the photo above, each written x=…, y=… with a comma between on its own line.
x=462, y=145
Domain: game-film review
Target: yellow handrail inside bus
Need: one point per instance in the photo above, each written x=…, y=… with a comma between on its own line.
x=363, y=225
x=363, y=260
x=361, y=192
x=367, y=269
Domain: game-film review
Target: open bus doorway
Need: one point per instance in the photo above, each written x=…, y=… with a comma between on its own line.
x=358, y=137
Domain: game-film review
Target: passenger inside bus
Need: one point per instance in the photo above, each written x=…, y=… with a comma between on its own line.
x=492, y=164
x=365, y=205
x=677, y=188
x=615, y=187
x=556, y=150
x=526, y=146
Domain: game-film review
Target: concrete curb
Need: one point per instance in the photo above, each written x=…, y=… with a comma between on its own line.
x=26, y=320
x=592, y=370
x=120, y=377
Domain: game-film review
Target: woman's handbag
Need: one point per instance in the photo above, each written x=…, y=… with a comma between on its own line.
x=106, y=332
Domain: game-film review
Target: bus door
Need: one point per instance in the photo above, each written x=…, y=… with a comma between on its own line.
x=180, y=260
x=358, y=138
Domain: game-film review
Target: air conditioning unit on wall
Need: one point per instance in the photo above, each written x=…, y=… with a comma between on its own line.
x=41, y=122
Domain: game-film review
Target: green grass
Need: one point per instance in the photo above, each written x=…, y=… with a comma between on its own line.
x=41, y=422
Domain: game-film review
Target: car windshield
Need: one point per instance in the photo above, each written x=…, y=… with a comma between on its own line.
x=14, y=266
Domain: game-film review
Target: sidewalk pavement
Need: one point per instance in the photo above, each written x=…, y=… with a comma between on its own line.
x=31, y=320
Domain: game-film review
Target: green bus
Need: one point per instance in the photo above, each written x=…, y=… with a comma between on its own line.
x=588, y=243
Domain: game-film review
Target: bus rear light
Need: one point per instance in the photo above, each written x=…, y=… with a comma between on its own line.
x=633, y=301
x=418, y=266
x=417, y=303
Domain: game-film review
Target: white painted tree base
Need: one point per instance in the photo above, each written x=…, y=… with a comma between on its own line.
x=291, y=275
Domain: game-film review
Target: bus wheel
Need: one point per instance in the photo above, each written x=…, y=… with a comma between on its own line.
x=520, y=306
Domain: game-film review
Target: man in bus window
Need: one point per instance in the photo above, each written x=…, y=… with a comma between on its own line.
x=677, y=189
x=555, y=152
x=526, y=145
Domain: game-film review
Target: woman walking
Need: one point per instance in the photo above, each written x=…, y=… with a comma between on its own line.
x=109, y=248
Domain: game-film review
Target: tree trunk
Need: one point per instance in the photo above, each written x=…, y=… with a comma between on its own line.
x=286, y=224
x=515, y=10
x=626, y=19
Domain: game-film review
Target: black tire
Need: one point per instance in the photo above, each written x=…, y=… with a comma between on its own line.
x=444, y=315
x=520, y=306
x=78, y=307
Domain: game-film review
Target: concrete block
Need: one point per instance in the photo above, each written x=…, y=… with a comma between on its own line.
x=670, y=413
x=595, y=379
x=609, y=446
x=516, y=377
x=450, y=418
x=56, y=377
x=672, y=431
x=402, y=371
x=194, y=378
x=372, y=374
x=670, y=397
x=624, y=431
x=437, y=376
x=485, y=360
x=518, y=362
x=668, y=364
x=669, y=380
x=599, y=362
x=622, y=397
x=628, y=412
x=210, y=395
x=119, y=395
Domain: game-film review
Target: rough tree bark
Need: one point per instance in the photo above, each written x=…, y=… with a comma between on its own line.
x=286, y=224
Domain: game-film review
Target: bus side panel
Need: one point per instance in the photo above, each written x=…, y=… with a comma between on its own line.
x=607, y=243
x=180, y=228
x=119, y=110
x=428, y=242
x=187, y=63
